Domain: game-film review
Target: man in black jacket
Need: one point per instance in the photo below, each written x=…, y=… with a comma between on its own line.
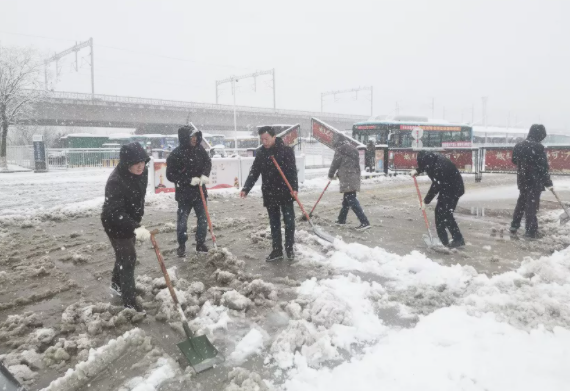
x=188, y=167
x=448, y=183
x=122, y=213
x=276, y=195
x=532, y=178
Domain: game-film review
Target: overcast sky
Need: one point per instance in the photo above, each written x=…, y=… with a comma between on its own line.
x=456, y=51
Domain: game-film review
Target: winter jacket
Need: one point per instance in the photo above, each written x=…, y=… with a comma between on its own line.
x=446, y=178
x=531, y=161
x=370, y=155
x=123, y=208
x=273, y=188
x=187, y=162
x=347, y=162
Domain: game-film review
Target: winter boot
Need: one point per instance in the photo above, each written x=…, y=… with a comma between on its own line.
x=363, y=227
x=533, y=236
x=275, y=255
x=290, y=254
x=456, y=243
x=181, y=251
x=202, y=248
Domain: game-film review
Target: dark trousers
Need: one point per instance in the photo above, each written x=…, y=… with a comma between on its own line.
x=527, y=205
x=444, y=219
x=124, y=270
x=184, y=209
x=274, y=212
x=349, y=201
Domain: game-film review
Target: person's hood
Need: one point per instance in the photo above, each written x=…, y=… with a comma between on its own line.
x=536, y=133
x=338, y=141
x=185, y=133
x=133, y=153
x=426, y=159
x=130, y=154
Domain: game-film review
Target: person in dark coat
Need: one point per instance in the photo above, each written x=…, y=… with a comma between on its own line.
x=532, y=178
x=122, y=213
x=276, y=195
x=189, y=166
x=448, y=183
x=370, y=156
x=346, y=166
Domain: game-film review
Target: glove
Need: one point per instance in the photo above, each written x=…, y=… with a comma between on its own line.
x=551, y=188
x=195, y=181
x=414, y=172
x=204, y=180
x=142, y=234
x=426, y=201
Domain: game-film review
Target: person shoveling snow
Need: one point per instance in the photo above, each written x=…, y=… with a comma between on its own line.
x=447, y=184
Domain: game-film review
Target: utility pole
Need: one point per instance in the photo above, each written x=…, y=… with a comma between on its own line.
x=484, y=110
x=56, y=57
x=433, y=107
x=254, y=75
x=472, y=113
x=397, y=108
x=356, y=90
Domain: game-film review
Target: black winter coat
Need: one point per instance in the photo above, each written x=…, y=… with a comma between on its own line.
x=531, y=161
x=185, y=163
x=274, y=190
x=446, y=178
x=123, y=208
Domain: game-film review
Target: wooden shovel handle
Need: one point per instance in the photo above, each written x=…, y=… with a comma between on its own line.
x=290, y=188
x=163, y=267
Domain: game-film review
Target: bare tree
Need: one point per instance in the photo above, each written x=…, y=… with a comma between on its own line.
x=20, y=87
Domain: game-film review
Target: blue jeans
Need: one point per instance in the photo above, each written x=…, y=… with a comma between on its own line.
x=349, y=201
x=274, y=212
x=184, y=209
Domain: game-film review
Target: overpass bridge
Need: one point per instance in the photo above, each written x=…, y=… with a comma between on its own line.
x=165, y=116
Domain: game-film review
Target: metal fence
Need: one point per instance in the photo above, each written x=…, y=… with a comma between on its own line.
x=62, y=159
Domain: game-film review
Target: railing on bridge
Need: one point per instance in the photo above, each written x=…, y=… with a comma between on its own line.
x=57, y=95
x=62, y=159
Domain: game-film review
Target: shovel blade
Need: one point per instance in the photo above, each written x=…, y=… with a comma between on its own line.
x=323, y=235
x=564, y=218
x=200, y=353
x=431, y=243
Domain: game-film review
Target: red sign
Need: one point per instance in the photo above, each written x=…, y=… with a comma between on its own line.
x=558, y=159
x=463, y=159
x=327, y=135
x=290, y=136
x=403, y=160
x=499, y=160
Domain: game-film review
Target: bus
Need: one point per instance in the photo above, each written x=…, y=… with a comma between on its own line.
x=215, y=140
x=396, y=132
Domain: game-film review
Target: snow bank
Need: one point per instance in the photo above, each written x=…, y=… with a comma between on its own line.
x=248, y=346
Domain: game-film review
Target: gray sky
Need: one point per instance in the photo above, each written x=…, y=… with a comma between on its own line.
x=514, y=52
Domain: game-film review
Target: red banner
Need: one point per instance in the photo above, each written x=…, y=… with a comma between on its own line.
x=463, y=159
x=403, y=160
x=558, y=159
x=499, y=160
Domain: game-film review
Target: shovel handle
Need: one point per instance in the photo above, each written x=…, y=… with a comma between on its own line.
x=560, y=202
x=291, y=189
x=208, y=216
x=322, y=194
x=163, y=267
x=423, y=210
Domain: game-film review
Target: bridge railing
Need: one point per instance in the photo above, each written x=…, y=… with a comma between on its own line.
x=60, y=95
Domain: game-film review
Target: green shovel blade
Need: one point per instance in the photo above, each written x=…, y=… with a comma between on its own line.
x=200, y=353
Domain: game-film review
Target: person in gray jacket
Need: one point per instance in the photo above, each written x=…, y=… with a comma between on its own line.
x=346, y=166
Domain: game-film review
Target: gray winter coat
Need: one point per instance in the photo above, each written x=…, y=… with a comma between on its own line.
x=347, y=162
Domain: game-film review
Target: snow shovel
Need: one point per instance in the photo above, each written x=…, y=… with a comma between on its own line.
x=208, y=217
x=199, y=351
x=429, y=239
x=304, y=218
x=7, y=381
x=564, y=217
x=320, y=233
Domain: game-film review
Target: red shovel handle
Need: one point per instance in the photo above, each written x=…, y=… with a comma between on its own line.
x=421, y=203
x=290, y=188
x=322, y=194
x=207, y=215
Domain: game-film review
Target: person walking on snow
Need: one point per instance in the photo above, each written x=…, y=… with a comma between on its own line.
x=532, y=177
x=346, y=166
x=276, y=195
x=189, y=166
x=122, y=213
x=448, y=183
